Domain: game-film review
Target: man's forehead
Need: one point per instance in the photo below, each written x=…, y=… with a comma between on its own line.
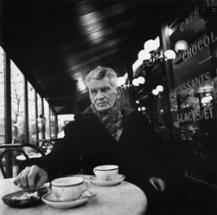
x=95, y=83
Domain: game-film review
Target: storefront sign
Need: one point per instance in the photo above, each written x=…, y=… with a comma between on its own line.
x=195, y=115
x=193, y=16
x=199, y=45
x=195, y=82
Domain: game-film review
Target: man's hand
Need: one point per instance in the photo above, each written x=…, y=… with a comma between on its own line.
x=31, y=178
x=157, y=183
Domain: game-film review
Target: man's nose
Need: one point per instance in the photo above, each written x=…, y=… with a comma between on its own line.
x=99, y=95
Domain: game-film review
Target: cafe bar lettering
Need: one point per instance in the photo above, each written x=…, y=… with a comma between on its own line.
x=194, y=15
x=199, y=45
x=193, y=95
x=195, y=82
x=196, y=115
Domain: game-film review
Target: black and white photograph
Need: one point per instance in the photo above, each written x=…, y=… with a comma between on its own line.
x=108, y=107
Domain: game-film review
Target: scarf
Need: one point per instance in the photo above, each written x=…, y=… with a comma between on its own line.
x=112, y=121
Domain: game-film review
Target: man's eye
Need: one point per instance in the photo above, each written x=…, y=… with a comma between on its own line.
x=93, y=92
x=104, y=90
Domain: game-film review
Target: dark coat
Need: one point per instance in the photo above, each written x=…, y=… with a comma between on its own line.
x=87, y=144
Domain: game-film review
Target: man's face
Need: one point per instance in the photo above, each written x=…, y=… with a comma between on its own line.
x=102, y=94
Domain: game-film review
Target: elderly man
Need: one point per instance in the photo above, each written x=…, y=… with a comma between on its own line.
x=106, y=133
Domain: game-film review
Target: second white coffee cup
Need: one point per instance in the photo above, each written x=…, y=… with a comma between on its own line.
x=106, y=172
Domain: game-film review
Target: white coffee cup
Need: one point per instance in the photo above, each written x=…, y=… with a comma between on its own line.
x=68, y=188
x=106, y=172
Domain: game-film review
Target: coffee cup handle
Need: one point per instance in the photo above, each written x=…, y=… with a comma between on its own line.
x=87, y=185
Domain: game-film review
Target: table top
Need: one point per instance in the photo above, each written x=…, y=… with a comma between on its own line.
x=121, y=199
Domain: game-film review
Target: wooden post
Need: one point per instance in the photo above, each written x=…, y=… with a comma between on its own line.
x=26, y=111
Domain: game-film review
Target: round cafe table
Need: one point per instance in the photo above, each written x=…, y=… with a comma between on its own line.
x=121, y=199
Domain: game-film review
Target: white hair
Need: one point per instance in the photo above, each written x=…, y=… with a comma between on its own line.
x=101, y=72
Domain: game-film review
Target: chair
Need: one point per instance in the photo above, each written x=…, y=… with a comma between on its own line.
x=10, y=152
x=48, y=145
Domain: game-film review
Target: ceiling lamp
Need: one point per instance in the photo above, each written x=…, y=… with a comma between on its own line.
x=144, y=55
x=135, y=82
x=81, y=85
x=151, y=54
x=158, y=89
x=136, y=65
x=121, y=81
x=181, y=45
x=151, y=45
x=141, y=80
x=138, y=81
x=169, y=54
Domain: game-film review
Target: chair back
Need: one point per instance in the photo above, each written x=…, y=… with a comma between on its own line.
x=9, y=154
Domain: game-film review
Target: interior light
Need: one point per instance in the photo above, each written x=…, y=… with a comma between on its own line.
x=135, y=82
x=206, y=99
x=144, y=55
x=170, y=54
x=181, y=45
x=159, y=88
x=157, y=42
x=121, y=81
x=150, y=45
x=143, y=108
x=1, y=50
x=154, y=92
x=136, y=65
x=141, y=80
x=170, y=31
x=81, y=85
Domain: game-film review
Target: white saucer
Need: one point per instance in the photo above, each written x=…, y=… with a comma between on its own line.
x=48, y=198
x=114, y=181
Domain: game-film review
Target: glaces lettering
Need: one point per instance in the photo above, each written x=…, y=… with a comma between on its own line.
x=193, y=115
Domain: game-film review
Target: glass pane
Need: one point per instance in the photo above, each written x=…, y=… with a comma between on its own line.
x=193, y=99
x=46, y=114
x=2, y=68
x=40, y=117
x=17, y=106
x=62, y=121
x=32, y=116
x=52, y=124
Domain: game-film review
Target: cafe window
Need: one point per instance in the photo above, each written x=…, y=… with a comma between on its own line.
x=2, y=69
x=32, y=114
x=17, y=104
x=63, y=120
x=47, y=121
x=41, y=118
x=52, y=124
x=193, y=98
